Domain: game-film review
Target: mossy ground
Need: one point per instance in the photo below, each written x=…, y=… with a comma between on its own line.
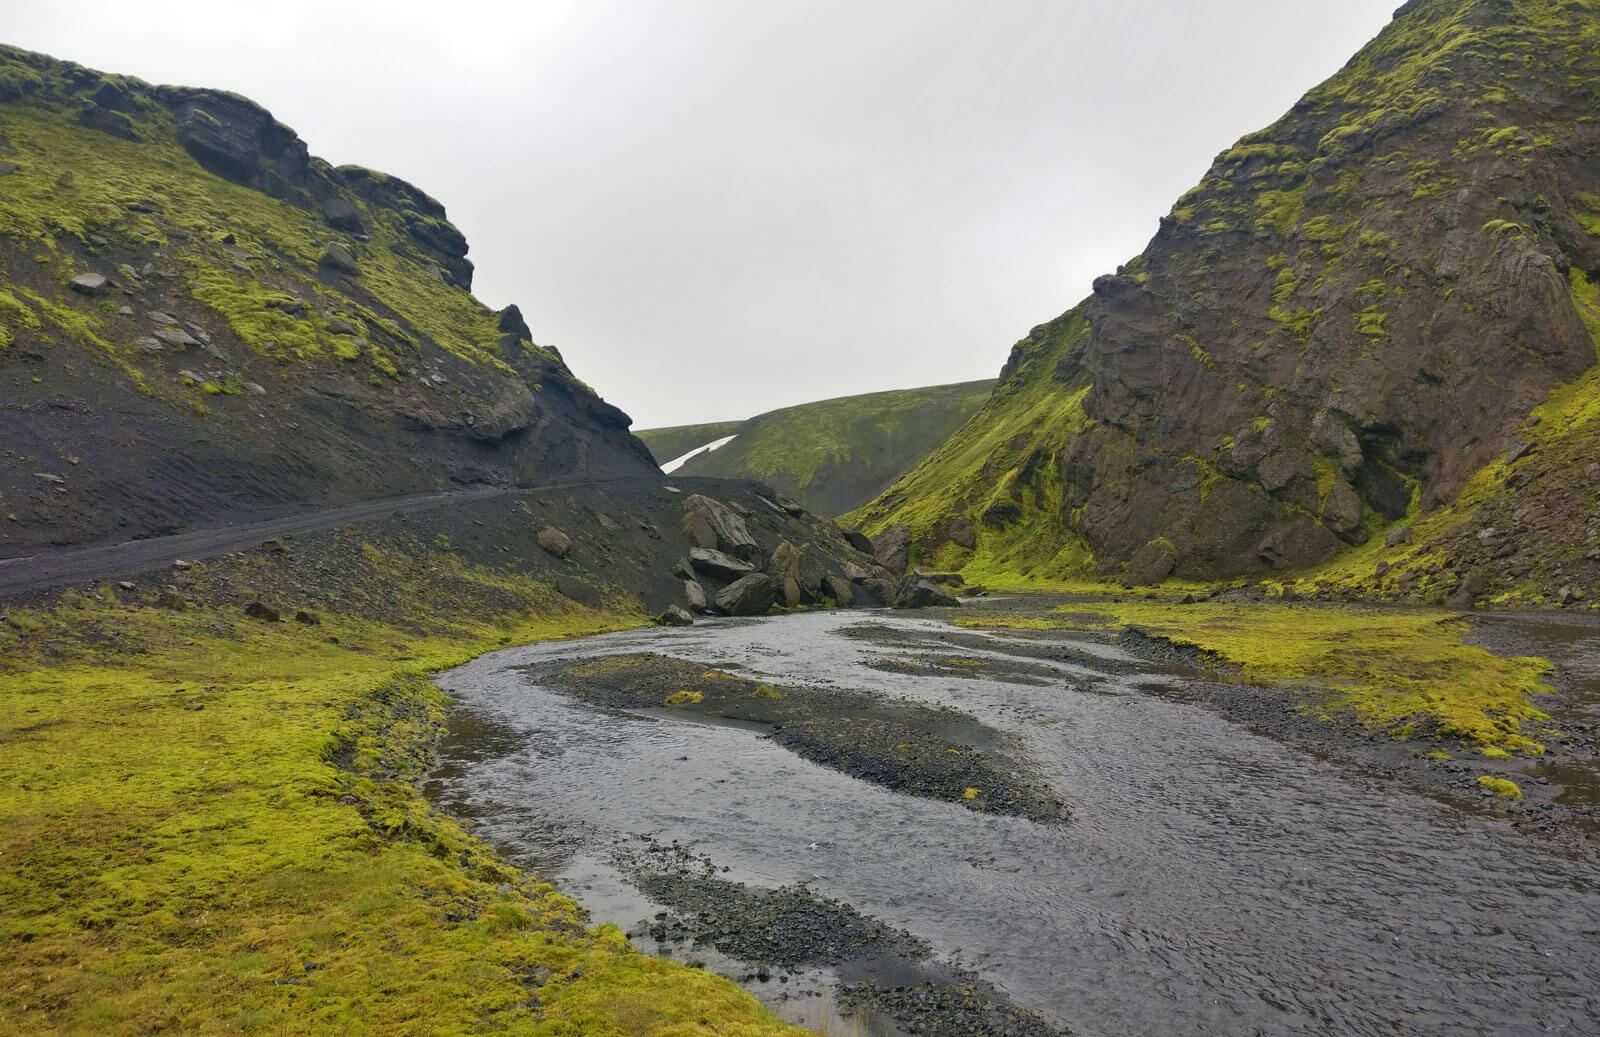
x=210, y=824
x=1405, y=673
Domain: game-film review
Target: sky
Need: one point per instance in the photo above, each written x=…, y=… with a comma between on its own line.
x=719, y=207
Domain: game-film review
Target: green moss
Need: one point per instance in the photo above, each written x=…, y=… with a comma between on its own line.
x=1405, y=673
x=213, y=823
x=1369, y=322
x=1503, y=788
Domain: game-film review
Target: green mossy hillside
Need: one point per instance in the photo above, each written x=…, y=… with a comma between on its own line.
x=834, y=455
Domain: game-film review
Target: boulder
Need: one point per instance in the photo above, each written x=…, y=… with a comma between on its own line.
x=310, y=619
x=341, y=326
x=855, y=573
x=916, y=593
x=882, y=592
x=711, y=524
x=750, y=595
x=88, y=283
x=1396, y=537
x=265, y=613
x=858, y=540
x=714, y=563
x=682, y=569
x=174, y=337
x=838, y=588
x=674, y=616
x=555, y=542
x=338, y=257
x=341, y=213
x=694, y=595
x=1151, y=564
x=785, y=569
x=959, y=529
x=892, y=549
x=1342, y=511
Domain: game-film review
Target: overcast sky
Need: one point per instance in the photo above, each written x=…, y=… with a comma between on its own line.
x=718, y=207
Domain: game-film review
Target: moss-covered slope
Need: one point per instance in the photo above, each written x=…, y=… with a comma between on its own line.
x=1348, y=319
x=669, y=444
x=834, y=455
x=199, y=320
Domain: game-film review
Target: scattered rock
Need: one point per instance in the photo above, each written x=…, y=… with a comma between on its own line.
x=272, y=546
x=170, y=601
x=310, y=619
x=715, y=563
x=892, y=549
x=127, y=585
x=555, y=542
x=180, y=565
x=1568, y=595
x=1151, y=564
x=711, y=524
x=785, y=569
x=175, y=337
x=339, y=257
x=838, y=588
x=342, y=214
x=1396, y=537
x=916, y=593
x=341, y=326
x=265, y=613
x=88, y=283
x=674, y=616
x=751, y=595
x=858, y=540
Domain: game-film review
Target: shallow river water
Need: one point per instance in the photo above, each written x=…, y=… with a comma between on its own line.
x=1210, y=880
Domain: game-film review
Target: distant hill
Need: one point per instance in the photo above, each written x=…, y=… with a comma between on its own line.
x=667, y=444
x=833, y=455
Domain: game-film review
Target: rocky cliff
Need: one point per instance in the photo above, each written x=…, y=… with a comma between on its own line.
x=200, y=321
x=1344, y=328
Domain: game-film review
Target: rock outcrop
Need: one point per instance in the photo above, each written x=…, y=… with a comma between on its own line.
x=1344, y=324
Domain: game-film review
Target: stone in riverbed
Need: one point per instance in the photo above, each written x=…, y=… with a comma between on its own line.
x=918, y=593
x=675, y=616
x=750, y=595
x=694, y=595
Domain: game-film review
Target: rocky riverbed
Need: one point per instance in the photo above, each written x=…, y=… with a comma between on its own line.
x=1224, y=862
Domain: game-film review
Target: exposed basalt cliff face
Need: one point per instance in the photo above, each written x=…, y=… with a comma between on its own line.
x=1351, y=315
x=199, y=320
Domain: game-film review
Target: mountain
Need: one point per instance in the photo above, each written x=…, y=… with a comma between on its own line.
x=668, y=444
x=833, y=455
x=1337, y=339
x=200, y=321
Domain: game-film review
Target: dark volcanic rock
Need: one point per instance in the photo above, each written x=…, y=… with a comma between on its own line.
x=555, y=542
x=917, y=592
x=1151, y=564
x=858, y=540
x=711, y=524
x=751, y=595
x=715, y=563
x=892, y=549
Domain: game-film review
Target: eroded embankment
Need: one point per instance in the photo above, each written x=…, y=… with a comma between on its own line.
x=210, y=817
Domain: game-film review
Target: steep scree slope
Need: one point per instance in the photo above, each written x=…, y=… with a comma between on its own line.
x=1344, y=324
x=199, y=321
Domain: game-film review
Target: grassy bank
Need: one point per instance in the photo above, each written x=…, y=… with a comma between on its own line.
x=1406, y=673
x=209, y=822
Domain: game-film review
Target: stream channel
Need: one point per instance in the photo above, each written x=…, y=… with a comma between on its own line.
x=1207, y=879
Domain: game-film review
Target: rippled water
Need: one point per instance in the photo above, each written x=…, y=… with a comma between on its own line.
x=1211, y=881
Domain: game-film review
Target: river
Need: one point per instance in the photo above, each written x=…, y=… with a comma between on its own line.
x=1209, y=880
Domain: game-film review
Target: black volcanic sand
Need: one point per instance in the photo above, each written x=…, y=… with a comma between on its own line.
x=885, y=971
x=901, y=744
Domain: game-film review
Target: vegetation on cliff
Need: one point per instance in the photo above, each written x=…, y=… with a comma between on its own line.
x=1345, y=327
